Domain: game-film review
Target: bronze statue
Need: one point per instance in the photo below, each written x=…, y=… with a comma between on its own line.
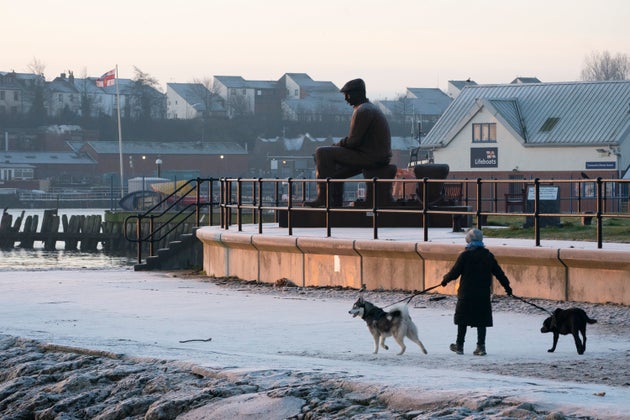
x=367, y=146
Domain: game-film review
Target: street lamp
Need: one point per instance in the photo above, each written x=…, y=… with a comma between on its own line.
x=158, y=163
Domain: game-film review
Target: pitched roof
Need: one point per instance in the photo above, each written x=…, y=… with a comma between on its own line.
x=419, y=101
x=48, y=158
x=567, y=113
x=460, y=84
x=195, y=94
x=165, y=148
x=314, y=87
x=62, y=85
x=526, y=80
x=239, y=82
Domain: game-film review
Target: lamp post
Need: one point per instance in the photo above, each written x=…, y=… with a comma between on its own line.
x=158, y=163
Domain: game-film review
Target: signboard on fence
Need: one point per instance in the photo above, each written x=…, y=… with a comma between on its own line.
x=548, y=202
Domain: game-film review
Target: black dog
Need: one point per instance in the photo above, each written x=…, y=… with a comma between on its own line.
x=568, y=321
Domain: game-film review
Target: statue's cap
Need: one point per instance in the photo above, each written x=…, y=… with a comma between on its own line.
x=352, y=85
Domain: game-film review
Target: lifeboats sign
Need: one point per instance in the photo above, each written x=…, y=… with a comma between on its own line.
x=486, y=157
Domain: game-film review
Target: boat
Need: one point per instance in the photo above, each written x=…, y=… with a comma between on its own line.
x=140, y=200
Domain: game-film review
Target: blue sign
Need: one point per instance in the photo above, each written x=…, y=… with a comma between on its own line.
x=484, y=157
x=601, y=165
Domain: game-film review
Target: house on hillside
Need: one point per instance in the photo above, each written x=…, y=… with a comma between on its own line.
x=192, y=100
x=419, y=109
x=307, y=100
x=248, y=97
x=19, y=91
x=95, y=101
x=569, y=130
x=301, y=86
x=62, y=97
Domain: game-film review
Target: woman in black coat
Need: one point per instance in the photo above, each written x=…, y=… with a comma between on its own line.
x=476, y=265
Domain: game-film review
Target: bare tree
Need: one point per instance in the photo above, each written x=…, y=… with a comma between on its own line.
x=36, y=67
x=147, y=100
x=239, y=105
x=605, y=66
x=205, y=91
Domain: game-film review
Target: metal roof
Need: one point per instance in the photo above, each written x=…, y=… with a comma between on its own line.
x=587, y=113
x=240, y=83
x=170, y=148
x=194, y=93
x=47, y=158
x=460, y=84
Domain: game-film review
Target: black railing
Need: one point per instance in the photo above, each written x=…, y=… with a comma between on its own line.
x=194, y=198
x=258, y=201
x=480, y=195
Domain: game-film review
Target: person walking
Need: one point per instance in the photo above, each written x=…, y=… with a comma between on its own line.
x=476, y=265
x=367, y=145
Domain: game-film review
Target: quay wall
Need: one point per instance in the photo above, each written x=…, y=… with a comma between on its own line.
x=596, y=276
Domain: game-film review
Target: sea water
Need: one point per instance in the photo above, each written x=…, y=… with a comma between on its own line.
x=40, y=259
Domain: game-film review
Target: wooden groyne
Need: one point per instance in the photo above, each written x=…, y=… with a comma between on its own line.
x=85, y=233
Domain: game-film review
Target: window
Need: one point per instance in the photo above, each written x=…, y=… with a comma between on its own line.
x=549, y=124
x=16, y=96
x=2, y=95
x=484, y=133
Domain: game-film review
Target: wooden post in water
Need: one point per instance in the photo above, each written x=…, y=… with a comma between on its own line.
x=30, y=228
x=91, y=228
x=5, y=227
x=50, y=224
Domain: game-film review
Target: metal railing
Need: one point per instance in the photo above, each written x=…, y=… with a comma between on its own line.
x=481, y=195
x=259, y=200
x=195, y=198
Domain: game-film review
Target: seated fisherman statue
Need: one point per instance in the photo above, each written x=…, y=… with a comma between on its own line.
x=367, y=146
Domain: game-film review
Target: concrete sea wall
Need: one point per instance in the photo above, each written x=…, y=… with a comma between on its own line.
x=596, y=276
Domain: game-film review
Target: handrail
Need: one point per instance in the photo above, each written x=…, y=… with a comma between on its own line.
x=171, y=212
x=260, y=196
x=479, y=198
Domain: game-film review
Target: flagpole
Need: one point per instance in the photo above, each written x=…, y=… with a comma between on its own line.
x=120, y=152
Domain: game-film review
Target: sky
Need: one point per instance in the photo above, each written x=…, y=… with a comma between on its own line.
x=142, y=314
x=391, y=45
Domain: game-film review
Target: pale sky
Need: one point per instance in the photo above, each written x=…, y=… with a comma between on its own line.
x=391, y=44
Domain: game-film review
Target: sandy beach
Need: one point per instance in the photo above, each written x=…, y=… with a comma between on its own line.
x=124, y=344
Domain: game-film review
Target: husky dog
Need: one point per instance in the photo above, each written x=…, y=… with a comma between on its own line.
x=395, y=323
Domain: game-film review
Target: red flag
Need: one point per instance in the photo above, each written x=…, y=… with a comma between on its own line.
x=108, y=79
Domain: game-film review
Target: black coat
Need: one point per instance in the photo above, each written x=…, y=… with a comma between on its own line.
x=476, y=267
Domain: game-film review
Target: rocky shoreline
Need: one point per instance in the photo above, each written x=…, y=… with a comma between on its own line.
x=45, y=381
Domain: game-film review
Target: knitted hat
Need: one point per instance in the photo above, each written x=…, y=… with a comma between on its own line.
x=474, y=235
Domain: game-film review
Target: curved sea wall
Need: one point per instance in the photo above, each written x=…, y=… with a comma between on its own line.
x=597, y=276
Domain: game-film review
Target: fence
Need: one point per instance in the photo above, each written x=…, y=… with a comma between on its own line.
x=604, y=198
x=259, y=200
